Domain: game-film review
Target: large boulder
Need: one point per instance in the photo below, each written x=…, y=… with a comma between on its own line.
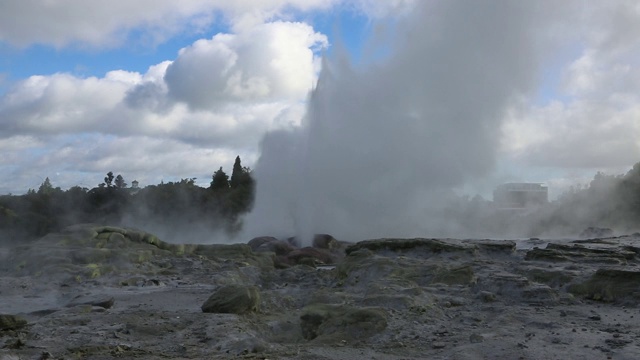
x=271, y=244
x=338, y=322
x=311, y=256
x=325, y=241
x=233, y=299
x=256, y=242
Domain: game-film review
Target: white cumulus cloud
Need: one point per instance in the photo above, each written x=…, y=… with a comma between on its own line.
x=593, y=122
x=101, y=23
x=272, y=61
x=219, y=96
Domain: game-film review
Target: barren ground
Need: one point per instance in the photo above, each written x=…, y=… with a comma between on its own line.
x=87, y=293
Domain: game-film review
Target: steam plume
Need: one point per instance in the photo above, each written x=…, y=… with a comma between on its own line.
x=380, y=148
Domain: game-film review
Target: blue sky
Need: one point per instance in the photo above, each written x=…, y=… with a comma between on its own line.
x=134, y=88
x=348, y=27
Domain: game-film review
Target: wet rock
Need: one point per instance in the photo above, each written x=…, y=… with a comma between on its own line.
x=395, y=302
x=247, y=346
x=545, y=255
x=460, y=275
x=256, y=242
x=241, y=253
x=514, y=288
x=494, y=246
x=274, y=245
x=610, y=285
x=325, y=241
x=11, y=322
x=105, y=302
x=363, y=267
x=476, y=338
x=596, y=232
x=580, y=253
x=405, y=245
x=579, y=250
x=487, y=296
x=617, y=343
x=553, y=277
x=294, y=241
x=310, y=256
x=90, y=252
x=233, y=299
x=339, y=322
x=540, y=294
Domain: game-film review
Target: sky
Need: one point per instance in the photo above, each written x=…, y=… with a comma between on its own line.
x=467, y=94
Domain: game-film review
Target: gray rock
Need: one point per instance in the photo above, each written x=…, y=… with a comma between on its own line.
x=338, y=322
x=102, y=301
x=404, y=245
x=325, y=241
x=476, y=338
x=596, y=232
x=233, y=299
x=11, y=322
x=487, y=296
x=610, y=285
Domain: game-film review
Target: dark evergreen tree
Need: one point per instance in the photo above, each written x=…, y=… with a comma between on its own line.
x=120, y=184
x=237, y=174
x=220, y=180
x=46, y=187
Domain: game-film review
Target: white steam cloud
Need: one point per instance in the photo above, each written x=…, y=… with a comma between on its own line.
x=381, y=147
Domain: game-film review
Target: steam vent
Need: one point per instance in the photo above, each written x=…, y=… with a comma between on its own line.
x=520, y=195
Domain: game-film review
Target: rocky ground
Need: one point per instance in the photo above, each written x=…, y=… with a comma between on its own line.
x=95, y=292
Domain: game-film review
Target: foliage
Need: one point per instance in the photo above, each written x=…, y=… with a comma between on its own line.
x=220, y=180
x=108, y=180
x=608, y=201
x=120, y=184
x=177, y=205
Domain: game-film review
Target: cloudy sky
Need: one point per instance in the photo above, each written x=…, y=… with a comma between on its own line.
x=162, y=90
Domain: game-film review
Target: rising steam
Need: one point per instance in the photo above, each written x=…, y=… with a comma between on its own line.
x=380, y=149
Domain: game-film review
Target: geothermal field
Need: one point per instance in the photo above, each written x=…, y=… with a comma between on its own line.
x=374, y=131
x=97, y=292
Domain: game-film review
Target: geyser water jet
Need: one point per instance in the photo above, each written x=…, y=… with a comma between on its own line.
x=381, y=147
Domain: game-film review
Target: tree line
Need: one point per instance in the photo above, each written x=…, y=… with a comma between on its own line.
x=174, y=209
x=172, y=205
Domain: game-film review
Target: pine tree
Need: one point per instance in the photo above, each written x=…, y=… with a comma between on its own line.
x=46, y=187
x=240, y=177
x=120, y=184
x=220, y=180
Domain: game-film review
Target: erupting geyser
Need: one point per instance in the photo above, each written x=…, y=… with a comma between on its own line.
x=381, y=148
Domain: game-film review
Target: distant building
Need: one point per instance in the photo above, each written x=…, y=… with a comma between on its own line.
x=134, y=187
x=520, y=195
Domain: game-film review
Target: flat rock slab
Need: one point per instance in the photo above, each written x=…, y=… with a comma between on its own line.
x=103, y=301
